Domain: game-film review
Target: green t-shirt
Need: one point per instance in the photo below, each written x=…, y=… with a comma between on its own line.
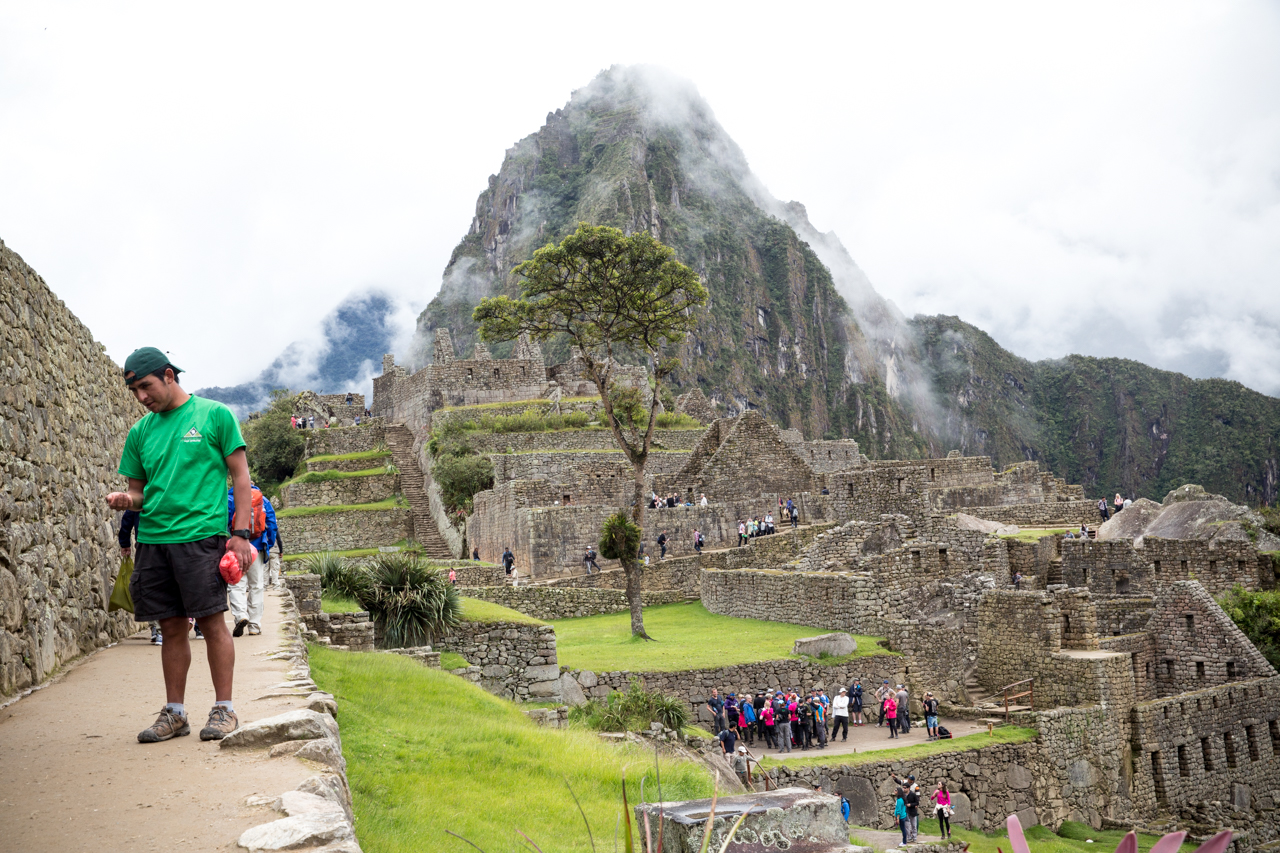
x=181, y=454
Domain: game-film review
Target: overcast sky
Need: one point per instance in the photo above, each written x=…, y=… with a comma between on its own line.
x=1104, y=178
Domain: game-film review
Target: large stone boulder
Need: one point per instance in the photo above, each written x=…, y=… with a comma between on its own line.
x=837, y=644
x=964, y=521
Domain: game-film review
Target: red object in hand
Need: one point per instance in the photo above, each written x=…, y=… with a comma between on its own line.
x=229, y=565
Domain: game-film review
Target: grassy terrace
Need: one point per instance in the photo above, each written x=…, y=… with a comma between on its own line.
x=339, y=457
x=428, y=752
x=397, y=502
x=476, y=610
x=1003, y=734
x=1035, y=534
x=326, y=476
x=688, y=637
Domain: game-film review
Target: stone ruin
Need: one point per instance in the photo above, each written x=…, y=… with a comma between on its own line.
x=793, y=819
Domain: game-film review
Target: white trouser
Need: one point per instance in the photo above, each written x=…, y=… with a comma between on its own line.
x=273, y=569
x=246, y=596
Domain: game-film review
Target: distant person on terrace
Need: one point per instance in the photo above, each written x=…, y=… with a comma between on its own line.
x=177, y=459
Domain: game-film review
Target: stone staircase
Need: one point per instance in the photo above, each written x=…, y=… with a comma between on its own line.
x=413, y=486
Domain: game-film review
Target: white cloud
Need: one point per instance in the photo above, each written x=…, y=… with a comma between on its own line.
x=1092, y=178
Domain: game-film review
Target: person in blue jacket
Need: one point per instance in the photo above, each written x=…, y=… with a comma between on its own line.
x=245, y=597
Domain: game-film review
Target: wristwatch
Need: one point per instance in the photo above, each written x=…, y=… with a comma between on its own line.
x=243, y=534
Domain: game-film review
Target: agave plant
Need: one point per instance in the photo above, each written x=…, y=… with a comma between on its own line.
x=410, y=601
x=338, y=576
x=1129, y=844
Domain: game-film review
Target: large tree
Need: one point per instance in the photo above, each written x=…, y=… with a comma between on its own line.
x=609, y=294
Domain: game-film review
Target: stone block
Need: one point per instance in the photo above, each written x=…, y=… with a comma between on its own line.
x=963, y=810
x=571, y=691
x=794, y=819
x=836, y=644
x=1017, y=777
x=301, y=831
x=303, y=724
x=1027, y=817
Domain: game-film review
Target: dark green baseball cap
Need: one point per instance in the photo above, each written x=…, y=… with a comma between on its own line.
x=144, y=361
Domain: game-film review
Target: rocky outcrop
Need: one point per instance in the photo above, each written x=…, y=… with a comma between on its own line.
x=64, y=414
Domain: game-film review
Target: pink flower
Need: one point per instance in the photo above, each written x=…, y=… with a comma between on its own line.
x=1129, y=844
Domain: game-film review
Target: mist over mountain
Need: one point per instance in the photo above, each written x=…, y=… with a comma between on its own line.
x=794, y=328
x=344, y=356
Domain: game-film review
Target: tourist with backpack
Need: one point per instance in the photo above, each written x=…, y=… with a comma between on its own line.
x=177, y=459
x=697, y=542
x=245, y=595
x=931, y=715
x=662, y=544
x=508, y=560
x=589, y=560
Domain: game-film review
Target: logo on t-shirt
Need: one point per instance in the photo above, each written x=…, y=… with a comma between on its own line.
x=192, y=435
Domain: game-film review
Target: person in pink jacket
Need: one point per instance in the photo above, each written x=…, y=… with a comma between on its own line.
x=942, y=808
x=891, y=715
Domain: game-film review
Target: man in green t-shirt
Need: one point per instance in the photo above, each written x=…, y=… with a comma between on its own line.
x=177, y=459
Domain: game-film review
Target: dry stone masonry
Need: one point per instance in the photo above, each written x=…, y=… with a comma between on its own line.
x=64, y=413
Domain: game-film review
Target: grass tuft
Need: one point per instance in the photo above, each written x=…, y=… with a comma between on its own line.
x=339, y=604
x=452, y=660
x=689, y=637
x=429, y=753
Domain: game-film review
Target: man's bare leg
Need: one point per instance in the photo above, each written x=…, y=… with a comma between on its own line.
x=175, y=658
x=221, y=650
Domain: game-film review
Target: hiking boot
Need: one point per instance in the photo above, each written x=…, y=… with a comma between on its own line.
x=254, y=630
x=221, y=723
x=167, y=725
x=156, y=639
x=199, y=635
x=241, y=624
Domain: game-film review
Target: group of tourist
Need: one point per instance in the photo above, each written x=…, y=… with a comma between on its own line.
x=785, y=720
x=672, y=501
x=1121, y=503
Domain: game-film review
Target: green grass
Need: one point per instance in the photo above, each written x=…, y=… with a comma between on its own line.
x=326, y=476
x=688, y=637
x=358, y=552
x=398, y=502
x=1034, y=536
x=427, y=752
x=1070, y=838
x=338, y=604
x=452, y=660
x=1003, y=734
x=337, y=457
x=478, y=610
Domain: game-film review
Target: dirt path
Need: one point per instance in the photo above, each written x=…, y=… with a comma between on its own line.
x=74, y=778
x=869, y=738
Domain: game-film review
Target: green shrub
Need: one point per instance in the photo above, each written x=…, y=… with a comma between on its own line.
x=1257, y=614
x=619, y=536
x=671, y=420
x=410, y=601
x=631, y=711
x=460, y=477
x=338, y=576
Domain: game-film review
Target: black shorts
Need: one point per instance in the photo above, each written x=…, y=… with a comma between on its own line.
x=178, y=579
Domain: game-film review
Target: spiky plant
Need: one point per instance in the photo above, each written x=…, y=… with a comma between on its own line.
x=410, y=601
x=338, y=575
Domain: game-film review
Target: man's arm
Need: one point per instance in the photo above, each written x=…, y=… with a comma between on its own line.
x=238, y=468
x=131, y=499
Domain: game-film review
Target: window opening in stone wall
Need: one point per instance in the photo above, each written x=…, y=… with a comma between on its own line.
x=1157, y=566
x=942, y=557
x=1191, y=624
x=1182, y=708
x=469, y=376
x=1215, y=701
x=1066, y=625
x=1252, y=737
x=1231, y=669
x=1168, y=667
x=1166, y=711
x=1184, y=769
x=566, y=500
x=1148, y=670
x=1240, y=566
x=1229, y=745
x=828, y=454
x=524, y=371
x=1206, y=754
x=1183, y=565
x=900, y=489
x=1200, y=670
x=851, y=490
x=495, y=373
x=1122, y=587
x=931, y=474
x=915, y=559
x=1085, y=572
x=1157, y=775
x=1213, y=565
x=1274, y=728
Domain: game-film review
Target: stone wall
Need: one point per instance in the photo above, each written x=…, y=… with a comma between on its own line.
x=562, y=405
x=64, y=413
x=694, y=686
x=741, y=456
x=516, y=660
x=575, y=467
x=1052, y=514
x=1117, y=566
x=345, y=531
x=1197, y=645
x=987, y=785
x=1026, y=635
x=543, y=602
x=1210, y=748
x=340, y=440
x=342, y=492
x=875, y=491
x=825, y=457
x=351, y=631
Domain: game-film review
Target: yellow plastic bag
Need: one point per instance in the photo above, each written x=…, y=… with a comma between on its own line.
x=120, y=599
